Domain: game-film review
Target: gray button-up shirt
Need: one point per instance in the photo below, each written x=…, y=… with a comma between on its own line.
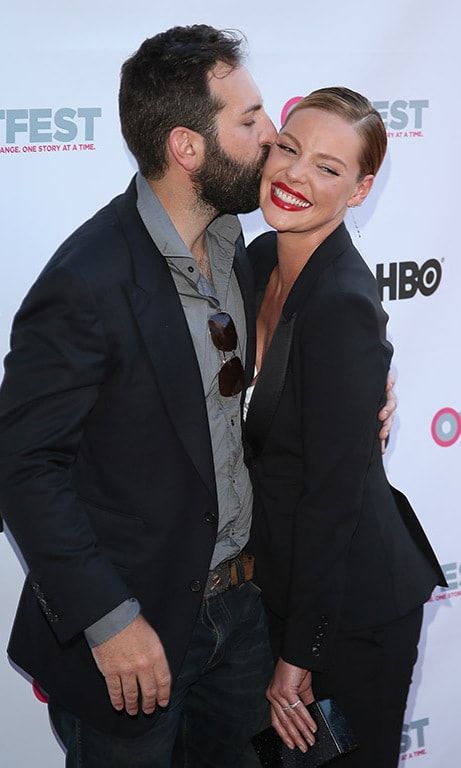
x=200, y=299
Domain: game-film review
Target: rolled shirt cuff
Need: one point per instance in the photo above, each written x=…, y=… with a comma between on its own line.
x=112, y=623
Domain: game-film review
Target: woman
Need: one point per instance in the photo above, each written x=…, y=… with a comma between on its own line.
x=343, y=564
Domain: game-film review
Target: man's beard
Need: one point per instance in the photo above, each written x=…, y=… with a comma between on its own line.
x=225, y=184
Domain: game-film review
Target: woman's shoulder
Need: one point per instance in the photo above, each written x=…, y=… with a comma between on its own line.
x=262, y=254
x=350, y=274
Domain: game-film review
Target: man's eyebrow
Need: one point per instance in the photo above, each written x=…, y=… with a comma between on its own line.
x=253, y=108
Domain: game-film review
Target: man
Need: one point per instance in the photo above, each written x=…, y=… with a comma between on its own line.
x=121, y=463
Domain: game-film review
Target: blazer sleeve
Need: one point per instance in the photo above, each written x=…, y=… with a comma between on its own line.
x=53, y=375
x=343, y=372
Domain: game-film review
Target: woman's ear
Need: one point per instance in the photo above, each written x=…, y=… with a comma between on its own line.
x=187, y=147
x=361, y=191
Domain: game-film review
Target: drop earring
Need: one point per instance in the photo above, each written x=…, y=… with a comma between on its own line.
x=357, y=230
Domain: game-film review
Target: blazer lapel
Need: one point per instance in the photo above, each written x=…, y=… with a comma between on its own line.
x=163, y=326
x=320, y=260
x=271, y=379
x=269, y=385
x=244, y=274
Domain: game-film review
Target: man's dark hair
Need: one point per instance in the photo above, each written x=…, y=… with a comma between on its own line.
x=165, y=84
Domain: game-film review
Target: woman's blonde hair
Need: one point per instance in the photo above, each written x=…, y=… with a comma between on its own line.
x=359, y=112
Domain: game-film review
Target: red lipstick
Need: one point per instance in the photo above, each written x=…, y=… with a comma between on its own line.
x=285, y=204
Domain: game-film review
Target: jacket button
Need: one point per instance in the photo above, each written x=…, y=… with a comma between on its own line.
x=316, y=650
x=195, y=586
x=210, y=518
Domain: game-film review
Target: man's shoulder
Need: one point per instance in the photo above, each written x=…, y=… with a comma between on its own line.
x=96, y=249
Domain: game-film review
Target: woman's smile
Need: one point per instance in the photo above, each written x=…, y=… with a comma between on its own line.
x=286, y=198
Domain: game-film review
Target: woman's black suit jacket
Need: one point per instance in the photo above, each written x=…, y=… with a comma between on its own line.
x=335, y=545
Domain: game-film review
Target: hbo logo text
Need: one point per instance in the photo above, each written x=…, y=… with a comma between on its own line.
x=404, y=280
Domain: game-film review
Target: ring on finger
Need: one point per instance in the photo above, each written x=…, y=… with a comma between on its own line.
x=291, y=706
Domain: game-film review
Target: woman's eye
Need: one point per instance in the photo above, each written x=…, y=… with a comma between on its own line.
x=328, y=170
x=249, y=123
x=286, y=148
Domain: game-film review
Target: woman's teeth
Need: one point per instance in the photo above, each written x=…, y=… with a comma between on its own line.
x=285, y=197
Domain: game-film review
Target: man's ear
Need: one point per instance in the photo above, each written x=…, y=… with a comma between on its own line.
x=187, y=147
x=361, y=191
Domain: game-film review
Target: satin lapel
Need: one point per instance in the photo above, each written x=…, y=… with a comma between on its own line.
x=271, y=379
x=269, y=385
x=244, y=274
x=163, y=326
x=320, y=260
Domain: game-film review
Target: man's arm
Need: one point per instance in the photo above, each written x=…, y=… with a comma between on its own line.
x=112, y=623
x=52, y=378
x=53, y=374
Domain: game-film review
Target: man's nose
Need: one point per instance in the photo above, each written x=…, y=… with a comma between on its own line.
x=268, y=132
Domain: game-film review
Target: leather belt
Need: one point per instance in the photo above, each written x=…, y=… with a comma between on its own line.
x=230, y=573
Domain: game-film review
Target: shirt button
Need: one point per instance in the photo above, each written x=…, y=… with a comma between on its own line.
x=195, y=586
x=190, y=269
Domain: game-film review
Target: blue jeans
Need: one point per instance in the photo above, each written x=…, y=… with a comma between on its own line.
x=217, y=702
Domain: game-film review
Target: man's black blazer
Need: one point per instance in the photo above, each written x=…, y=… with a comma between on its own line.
x=335, y=546
x=106, y=467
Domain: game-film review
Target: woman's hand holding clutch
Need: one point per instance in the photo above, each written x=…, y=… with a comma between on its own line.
x=289, y=690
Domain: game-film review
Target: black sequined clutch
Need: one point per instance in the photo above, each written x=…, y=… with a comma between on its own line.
x=332, y=739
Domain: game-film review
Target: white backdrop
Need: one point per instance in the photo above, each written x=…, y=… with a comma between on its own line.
x=62, y=157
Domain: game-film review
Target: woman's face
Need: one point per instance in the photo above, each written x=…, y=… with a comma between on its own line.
x=312, y=173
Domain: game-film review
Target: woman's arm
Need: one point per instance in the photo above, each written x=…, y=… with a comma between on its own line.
x=343, y=374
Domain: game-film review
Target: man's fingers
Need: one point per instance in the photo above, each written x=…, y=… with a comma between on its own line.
x=130, y=693
x=163, y=680
x=148, y=691
x=135, y=667
x=114, y=688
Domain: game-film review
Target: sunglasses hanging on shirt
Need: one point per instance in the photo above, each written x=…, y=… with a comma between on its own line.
x=224, y=337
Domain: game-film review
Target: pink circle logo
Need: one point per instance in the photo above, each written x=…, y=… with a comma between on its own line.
x=39, y=693
x=446, y=427
x=289, y=105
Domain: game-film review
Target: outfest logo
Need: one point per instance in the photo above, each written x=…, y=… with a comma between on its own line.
x=403, y=118
x=48, y=130
x=452, y=573
x=413, y=741
x=446, y=427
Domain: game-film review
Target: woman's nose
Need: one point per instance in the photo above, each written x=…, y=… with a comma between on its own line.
x=296, y=172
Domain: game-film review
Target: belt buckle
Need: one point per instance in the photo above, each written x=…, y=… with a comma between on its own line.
x=215, y=581
x=218, y=580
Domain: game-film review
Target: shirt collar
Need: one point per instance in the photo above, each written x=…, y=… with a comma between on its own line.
x=162, y=230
